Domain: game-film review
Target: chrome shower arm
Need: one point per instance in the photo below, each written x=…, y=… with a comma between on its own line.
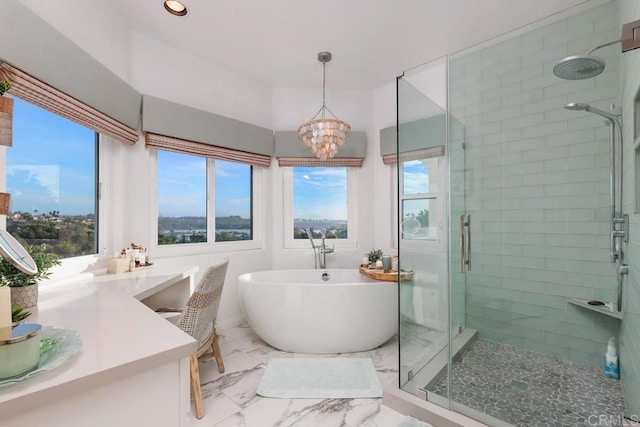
x=609, y=116
x=603, y=45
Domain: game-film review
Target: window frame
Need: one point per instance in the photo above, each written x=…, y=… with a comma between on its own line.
x=80, y=262
x=436, y=245
x=350, y=242
x=210, y=245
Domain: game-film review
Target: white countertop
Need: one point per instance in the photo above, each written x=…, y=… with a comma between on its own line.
x=120, y=335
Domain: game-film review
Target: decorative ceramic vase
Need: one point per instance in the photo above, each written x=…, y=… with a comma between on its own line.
x=24, y=296
x=394, y=263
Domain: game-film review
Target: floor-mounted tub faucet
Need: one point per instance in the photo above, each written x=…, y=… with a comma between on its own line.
x=320, y=252
x=324, y=250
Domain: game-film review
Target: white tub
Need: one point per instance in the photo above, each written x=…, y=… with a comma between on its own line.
x=298, y=312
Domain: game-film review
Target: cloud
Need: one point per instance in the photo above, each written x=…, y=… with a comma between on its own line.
x=46, y=176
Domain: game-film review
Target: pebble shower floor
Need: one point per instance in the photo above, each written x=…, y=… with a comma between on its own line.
x=525, y=388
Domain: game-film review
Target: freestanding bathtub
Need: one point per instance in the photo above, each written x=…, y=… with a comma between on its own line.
x=297, y=311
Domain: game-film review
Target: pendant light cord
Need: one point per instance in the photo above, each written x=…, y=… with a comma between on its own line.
x=324, y=84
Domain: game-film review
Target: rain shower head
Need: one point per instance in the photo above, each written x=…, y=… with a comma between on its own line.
x=578, y=67
x=577, y=106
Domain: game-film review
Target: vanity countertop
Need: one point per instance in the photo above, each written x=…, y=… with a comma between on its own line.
x=120, y=335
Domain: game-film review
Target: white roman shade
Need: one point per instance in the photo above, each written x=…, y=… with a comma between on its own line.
x=291, y=151
x=175, y=127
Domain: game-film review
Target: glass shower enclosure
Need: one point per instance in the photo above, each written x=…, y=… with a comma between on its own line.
x=504, y=216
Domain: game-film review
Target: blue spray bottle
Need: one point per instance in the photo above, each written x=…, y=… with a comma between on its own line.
x=611, y=369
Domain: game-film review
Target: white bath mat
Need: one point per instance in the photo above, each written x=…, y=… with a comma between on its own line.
x=413, y=422
x=320, y=378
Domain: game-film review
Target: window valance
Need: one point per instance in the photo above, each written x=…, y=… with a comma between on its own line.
x=184, y=129
x=36, y=48
x=420, y=139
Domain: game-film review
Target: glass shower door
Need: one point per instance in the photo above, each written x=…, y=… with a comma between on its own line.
x=533, y=178
x=423, y=235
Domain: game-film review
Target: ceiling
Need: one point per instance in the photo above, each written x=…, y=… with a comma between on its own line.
x=276, y=42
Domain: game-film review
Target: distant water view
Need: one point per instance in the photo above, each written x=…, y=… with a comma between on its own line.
x=335, y=229
x=175, y=230
x=193, y=229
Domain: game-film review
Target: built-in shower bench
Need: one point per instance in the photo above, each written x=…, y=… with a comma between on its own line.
x=602, y=309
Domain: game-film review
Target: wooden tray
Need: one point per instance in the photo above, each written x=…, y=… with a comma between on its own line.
x=390, y=276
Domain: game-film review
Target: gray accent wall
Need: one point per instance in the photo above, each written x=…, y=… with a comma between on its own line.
x=537, y=181
x=179, y=121
x=418, y=134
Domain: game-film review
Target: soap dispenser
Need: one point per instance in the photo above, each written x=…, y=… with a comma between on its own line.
x=611, y=369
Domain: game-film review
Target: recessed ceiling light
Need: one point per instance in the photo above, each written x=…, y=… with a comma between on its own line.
x=175, y=7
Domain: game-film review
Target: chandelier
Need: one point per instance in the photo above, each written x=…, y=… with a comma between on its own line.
x=324, y=134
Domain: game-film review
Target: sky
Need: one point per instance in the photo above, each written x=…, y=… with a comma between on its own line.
x=51, y=165
x=415, y=180
x=415, y=177
x=182, y=186
x=320, y=193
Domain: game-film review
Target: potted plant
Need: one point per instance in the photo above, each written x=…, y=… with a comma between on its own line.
x=24, y=287
x=374, y=255
x=18, y=314
x=5, y=85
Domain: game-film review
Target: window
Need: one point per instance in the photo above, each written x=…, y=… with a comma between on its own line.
x=185, y=214
x=421, y=199
x=233, y=201
x=182, y=198
x=319, y=199
x=52, y=179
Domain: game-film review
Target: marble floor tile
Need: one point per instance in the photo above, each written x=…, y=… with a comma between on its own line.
x=238, y=382
x=217, y=407
x=233, y=342
x=245, y=357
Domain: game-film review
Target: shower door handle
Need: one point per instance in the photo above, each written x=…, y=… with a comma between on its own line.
x=465, y=243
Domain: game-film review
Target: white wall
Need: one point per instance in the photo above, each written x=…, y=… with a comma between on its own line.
x=166, y=72
x=212, y=88
x=290, y=109
x=128, y=178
